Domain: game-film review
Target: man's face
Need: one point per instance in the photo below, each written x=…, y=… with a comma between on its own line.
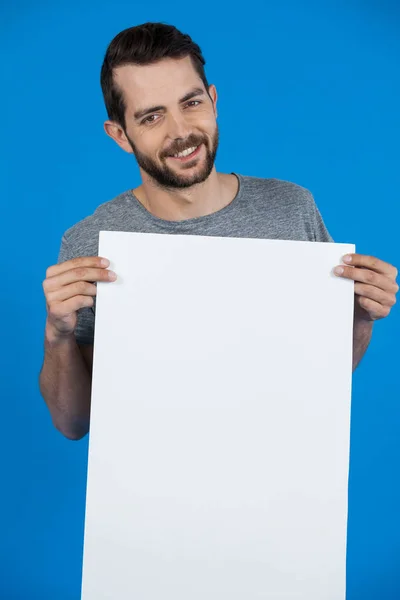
x=169, y=112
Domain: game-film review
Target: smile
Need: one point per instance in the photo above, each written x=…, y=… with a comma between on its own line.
x=187, y=154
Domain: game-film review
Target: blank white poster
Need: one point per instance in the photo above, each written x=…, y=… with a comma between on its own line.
x=220, y=426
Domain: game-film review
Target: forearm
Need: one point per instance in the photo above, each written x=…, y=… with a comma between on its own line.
x=362, y=332
x=65, y=384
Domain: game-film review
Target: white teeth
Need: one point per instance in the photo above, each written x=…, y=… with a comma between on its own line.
x=186, y=152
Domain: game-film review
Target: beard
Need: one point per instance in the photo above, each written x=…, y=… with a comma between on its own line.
x=165, y=176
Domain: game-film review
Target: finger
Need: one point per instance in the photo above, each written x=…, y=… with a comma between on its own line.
x=79, y=288
x=370, y=277
x=58, y=310
x=373, y=293
x=75, y=263
x=78, y=274
x=372, y=263
x=374, y=309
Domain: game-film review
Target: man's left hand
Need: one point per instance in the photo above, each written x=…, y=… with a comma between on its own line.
x=375, y=286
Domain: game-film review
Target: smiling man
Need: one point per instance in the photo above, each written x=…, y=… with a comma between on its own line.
x=162, y=110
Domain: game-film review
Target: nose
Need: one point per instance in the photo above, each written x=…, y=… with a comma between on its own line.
x=178, y=128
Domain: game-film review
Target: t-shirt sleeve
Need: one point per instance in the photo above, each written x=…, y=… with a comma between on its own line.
x=84, y=332
x=320, y=231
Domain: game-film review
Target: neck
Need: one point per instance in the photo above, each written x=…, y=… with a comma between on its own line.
x=201, y=199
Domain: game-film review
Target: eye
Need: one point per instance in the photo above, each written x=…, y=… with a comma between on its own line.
x=149, y=120
x=193, y=103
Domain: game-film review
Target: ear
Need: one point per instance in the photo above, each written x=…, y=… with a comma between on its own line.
x=212, y=91
x=116, y=132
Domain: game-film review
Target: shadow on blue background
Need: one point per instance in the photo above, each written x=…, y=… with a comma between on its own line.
x=307, y=93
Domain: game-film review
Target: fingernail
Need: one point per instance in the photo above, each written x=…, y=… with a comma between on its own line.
x=112, y=276
x=105, y=262
x=347, y=258
x=338, y=270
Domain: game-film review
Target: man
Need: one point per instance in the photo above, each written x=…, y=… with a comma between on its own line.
x=162, y=110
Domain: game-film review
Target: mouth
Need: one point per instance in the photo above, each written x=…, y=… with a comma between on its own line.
x=187, y=155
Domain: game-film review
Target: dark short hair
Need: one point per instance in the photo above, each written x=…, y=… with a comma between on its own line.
x=143, y=45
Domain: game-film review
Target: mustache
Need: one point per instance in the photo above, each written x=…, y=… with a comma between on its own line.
x=180, y=146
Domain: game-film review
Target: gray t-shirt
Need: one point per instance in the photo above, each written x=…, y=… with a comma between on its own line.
x=262, y=208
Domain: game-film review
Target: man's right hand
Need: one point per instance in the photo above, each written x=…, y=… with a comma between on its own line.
x=68, y=287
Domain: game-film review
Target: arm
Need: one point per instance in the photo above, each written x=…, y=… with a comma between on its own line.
x=362, y=332
x=375, y=288
x=65, y=384
x=66, y=376
x=375, y=291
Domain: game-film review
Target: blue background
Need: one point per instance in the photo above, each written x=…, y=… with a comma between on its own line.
x=308, y=92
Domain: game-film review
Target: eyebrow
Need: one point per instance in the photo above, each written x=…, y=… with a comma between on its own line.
x=139, y=114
